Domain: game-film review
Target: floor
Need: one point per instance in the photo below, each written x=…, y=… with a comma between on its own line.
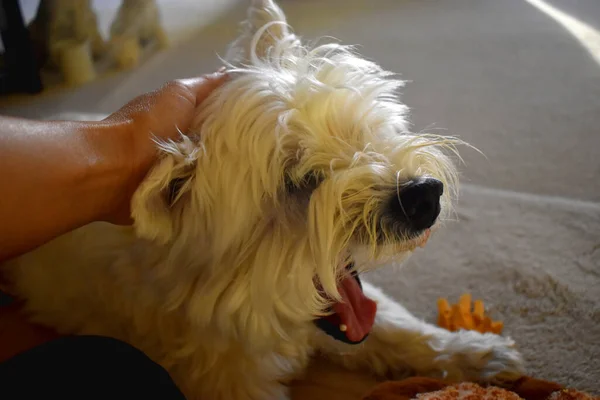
x=517, y=79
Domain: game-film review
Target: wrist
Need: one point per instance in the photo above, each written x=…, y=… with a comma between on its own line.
x=59, y=176
x=108, y=170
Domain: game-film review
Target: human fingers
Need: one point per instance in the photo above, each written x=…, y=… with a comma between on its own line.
x=202, y=86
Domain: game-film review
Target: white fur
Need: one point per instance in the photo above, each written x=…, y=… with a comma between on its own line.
x=218, y=279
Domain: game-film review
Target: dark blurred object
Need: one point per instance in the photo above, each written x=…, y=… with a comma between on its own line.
x=19, y=72
x=5, y=299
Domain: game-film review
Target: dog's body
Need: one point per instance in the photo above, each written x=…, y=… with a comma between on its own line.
x=302, y=175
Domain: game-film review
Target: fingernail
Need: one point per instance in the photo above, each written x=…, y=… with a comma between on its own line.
x=222, y=69
x=219, y=75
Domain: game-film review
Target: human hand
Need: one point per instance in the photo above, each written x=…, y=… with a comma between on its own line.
x=161, y=114
x=124, y=147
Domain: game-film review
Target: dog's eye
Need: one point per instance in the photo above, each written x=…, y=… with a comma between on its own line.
x=306, y=183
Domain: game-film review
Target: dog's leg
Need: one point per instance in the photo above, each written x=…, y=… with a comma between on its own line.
x=401, y=345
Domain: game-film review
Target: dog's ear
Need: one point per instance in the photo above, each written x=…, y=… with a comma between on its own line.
x=264, y=27
x=160, y=198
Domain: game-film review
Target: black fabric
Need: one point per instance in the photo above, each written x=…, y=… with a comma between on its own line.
x=85, y=367
x=5, y=299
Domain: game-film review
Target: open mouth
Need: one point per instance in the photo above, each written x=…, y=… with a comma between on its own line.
x=352, y=319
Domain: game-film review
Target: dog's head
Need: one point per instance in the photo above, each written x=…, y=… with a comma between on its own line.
x=301, y=174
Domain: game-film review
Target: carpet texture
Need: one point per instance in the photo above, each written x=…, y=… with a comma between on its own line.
x=507, y=79
x=533, y=260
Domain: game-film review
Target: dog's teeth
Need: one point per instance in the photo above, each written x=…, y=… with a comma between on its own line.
x=343, y=328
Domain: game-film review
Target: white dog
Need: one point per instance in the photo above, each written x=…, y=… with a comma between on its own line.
x=250, y=234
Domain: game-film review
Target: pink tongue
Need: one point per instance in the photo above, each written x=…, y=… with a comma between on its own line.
x=356, y=311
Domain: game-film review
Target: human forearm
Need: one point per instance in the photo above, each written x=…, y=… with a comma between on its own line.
x=55, y=178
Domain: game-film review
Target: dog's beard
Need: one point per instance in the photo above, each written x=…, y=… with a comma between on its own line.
x=349, y=231
x=351, y=319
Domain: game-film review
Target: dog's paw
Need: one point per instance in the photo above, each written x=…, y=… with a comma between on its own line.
x=470, y=355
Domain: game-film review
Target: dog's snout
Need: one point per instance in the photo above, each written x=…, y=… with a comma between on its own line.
x=418, y=203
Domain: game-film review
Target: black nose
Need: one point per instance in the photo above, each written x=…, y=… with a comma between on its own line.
x=418, y=203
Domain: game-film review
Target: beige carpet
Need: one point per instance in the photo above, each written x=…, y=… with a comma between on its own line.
x=512, y=82
x=533, y=260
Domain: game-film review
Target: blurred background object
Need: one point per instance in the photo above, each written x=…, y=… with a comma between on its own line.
x=76, y=41
x=18, y=65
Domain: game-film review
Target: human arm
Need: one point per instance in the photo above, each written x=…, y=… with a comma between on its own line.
x=59, y=175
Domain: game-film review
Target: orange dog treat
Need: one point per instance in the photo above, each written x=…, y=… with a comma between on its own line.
x=497, y=327
x=478, y=312
x=464, y=307
x=467, y=315
x=444, y=313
